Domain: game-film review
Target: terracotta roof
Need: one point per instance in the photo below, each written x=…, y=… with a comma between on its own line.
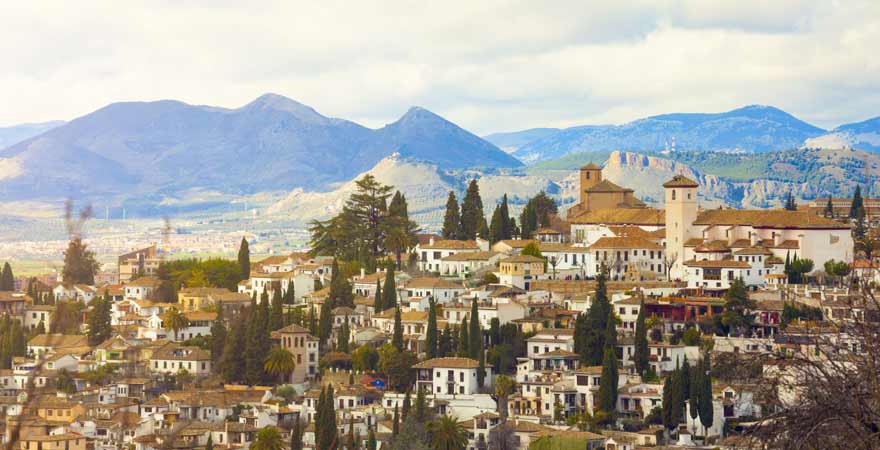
x=622, y=216
x=680, y=181
x=414, y=316
x=145, y=282
x=59, y=340
x=470, y=256
x=753, y=251
x=293, y=328
x=201, y=315
x=767, y=218
x=432, y=283
x=714, y=246
x=523, y=259
x=181, y=353
x=452, y=363
x=724, y=263
x=516, y=243
x=607, y=186
x=561, y=248
x=626, y=242
x=547, y=231
x=452, y=244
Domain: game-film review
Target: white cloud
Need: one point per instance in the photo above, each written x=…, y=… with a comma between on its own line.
x=488, y=66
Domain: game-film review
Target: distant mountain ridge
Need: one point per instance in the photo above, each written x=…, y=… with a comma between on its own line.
x=863, y=135
x=145, y=152
x=17, y=133
x=754, y=128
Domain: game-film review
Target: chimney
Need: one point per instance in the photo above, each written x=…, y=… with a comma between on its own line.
x=431, y=240
x=777, y=238
x=731, y=235
x=362, y=273
x=753, y=238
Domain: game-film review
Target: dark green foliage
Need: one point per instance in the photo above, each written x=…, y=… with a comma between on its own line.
x=64, y=382
x=407, y=404
x=446, y=344
x=396, y=424
x=432, y=338
x=451, y=218
x=7, y=279
x=706, y=408
x=378, y=303
x=857, y=207
x=695, y=388
x=471, y=213
x=218, y=339
x=610, y=375
x=475, y=333
x=536, y=214
x=13, y=341
x=343, y=337
x=99, y=321
x=218, y=273
x=738, y=307
x=340, y=289
x=463, y=341
x=673, y=399
x=276, y=314
x=481, y=369
x=592, y=350
x=790, y=204
x=397, y=338
x=67, y=317
x=421, y=408
x=641, y=353
x=501, y=227
x=80, y=265
x=389, y=291
x=244, y=259
x=325, y=421
x=325, y=325
x=371, y=441
x=829, y=209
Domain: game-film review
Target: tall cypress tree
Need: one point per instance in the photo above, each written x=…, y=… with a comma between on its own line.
x=856, y=208
x=407, y=404
x=395, y=427
x=326, y=428
x=829, y=209
x=463, y=341
x=276, y=315
x=397, y=338
x=506, y=221
x=695, y=388
x=790, y=204
x=233, y=362
x=481, y=368
x=610, y=375
x=640, y=357
x=325, y=326
x=597, y=317
x=218, y=339
x=389, y=291
x=452, y=218
x=431, y=338
x=244, y=259
x=475, y=334
x=496, y=226
x=371, y=441
x=253, y=360
x=706, y=409
x=471, y=212
x=344, y=336
x=7, y=279
x=296, y=436
x=313, y=321
x=378, y=305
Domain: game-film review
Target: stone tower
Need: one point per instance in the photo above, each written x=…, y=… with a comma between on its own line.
x=591, y=175
x=681, y=212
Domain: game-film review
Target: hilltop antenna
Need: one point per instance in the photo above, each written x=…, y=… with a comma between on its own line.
x=166, y=238
x=673, y=144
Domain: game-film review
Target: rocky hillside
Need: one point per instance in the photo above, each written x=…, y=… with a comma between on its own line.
x=862, y=135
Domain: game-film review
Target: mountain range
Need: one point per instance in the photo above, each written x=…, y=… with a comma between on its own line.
x=17, y=133
x=755, y=128
x=148, y=152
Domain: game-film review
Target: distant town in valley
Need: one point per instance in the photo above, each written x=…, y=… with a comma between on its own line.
x=610, y=226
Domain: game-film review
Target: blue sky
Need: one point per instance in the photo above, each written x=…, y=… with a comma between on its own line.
x=489, y=65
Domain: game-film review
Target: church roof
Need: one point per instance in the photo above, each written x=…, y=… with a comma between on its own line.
x=607, y=186
x=680, y=181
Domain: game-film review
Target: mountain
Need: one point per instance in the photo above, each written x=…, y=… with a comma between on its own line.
x=752, y=128
x=861, y=135
x=143, y=153
x=18, y=133
x=425, y=185
x=510, y=142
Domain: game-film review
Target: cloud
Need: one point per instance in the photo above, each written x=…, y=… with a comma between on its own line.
x=488, y=66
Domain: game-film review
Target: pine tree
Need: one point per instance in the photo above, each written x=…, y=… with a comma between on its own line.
x=244, y=259
x=475, y=334
x=378, y=304
x=7, y=279
x=640, y=357
x=218, y=339
x=276, y=315
x=452, y=218
x=389, y=290
x=397, y=338
x=99, y=321
x=471, y=213
x=463, y=341
x=857, y=207
x=431, y=338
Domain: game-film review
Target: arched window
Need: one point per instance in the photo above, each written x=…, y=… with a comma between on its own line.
x=673, y=194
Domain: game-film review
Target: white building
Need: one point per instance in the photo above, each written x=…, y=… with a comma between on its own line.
x=451, y=376
x=431, y=254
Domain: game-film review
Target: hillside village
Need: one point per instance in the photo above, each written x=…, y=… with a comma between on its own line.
x=612, y=325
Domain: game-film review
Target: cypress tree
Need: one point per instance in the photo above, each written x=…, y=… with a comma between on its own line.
x=856, y=208
x=475, y=334
x=389, y=291
x=99, y=321
x=233, y=362
x=463, y=341
x=481, y=369
x=327, y=427
x=218, y=339
x=397, y=338
x=340, y=289
x=431, y=333
x=706, y=409
x=344, y=336
x=695, y=387
x=421, y=406
x=7, y=279
x=597, y=317
x=483, y=228
x=640, y=357
x=496, y=226
x=610, y=375
x=471, y=212
x=666, y=406
x=313, y=321
x=253, y=362
x=452, y=218
x=371, y=441
x=325, y=326
x=829, y=209
x=445, y=345
x=506, y=221
x=320, y=419
x=378, y=305
x=407, y=404
x=790, y=204
x=581, y=340
x=244, y=259
x=395, y=428
x=210, y=444
x=296, y=436
x=276, y=315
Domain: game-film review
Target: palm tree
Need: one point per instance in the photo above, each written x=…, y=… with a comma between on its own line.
x=279, y=363
x=268, y=439
x=447, y=434
x=175, y=320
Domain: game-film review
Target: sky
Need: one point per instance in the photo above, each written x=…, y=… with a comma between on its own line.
x=487, y=65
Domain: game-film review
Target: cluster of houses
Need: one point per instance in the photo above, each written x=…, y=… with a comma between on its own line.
x=675, y=263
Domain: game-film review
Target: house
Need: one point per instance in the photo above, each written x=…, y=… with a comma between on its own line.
x=64, y=441
x=173, y=359
x=43, y=344
x=142, y=288
x=628, y=258
x=34, y=315
x=74, y=293
x=431, y=254
x=442, y=291
x=467, y=264
x=304, y=348
x=11, y=304
x=138, y=263
x=520, y=271
x=451, y=376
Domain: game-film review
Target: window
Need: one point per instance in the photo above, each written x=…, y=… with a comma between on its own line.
x=673, y=194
